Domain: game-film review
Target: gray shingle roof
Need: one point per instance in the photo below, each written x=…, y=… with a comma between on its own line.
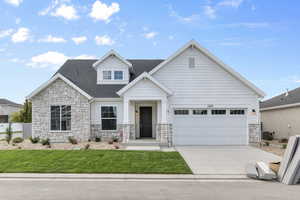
x=8, y=102
x=82, y=74
x=282, y=99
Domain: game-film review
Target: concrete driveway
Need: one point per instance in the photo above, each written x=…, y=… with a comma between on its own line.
x=227, y=160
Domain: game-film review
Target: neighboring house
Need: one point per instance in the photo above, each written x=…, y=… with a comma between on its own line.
x=7, y=108
x=191, y=98
x=281, y=114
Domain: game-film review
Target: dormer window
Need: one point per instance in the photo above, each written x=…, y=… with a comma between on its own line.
x=106, y=75
x=118, y=75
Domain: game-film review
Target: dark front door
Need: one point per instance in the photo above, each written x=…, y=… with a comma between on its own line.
x=146, y=122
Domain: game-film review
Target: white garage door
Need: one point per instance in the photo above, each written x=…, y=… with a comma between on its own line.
x=210, y=127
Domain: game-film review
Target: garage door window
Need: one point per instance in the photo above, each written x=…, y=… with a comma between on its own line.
x=218, y=112
x=181, y=112
x=199, y=112
x=237, y=112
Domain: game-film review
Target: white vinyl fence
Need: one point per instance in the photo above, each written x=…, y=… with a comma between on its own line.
x=22, y=130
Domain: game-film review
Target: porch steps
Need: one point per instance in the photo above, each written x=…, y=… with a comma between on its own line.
x=147, y=145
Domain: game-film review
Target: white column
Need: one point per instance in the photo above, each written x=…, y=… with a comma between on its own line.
x=164, y=111
x=126, y=111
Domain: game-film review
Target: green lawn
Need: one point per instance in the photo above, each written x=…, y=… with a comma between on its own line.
x=92, y=161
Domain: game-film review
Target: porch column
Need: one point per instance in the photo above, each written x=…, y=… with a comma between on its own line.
x=164, y=111
x=126, y=126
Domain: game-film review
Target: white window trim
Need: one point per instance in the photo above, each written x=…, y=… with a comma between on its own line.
x=111, y=75
x=109, y=105
x=192, y=57
x=63, y=131
x=122, y=75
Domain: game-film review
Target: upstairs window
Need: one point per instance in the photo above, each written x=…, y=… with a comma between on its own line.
x=106, y=75
x=118, y=75
x=60, y=118
x=191, y=62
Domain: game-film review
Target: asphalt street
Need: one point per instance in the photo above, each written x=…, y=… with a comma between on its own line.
x=87, y=189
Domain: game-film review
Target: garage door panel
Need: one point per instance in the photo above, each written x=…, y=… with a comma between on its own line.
x=210, y=130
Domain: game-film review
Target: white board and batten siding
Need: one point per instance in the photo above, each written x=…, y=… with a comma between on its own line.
x=207, y=85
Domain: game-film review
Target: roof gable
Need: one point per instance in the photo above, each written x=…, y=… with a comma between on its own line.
x=54, y=78
x=109, y=54
x=194, y=44
x=144, y=75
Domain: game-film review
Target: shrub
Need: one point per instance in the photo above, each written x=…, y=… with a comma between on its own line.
x=86, y=147
x=284, y=146
x=45, y=141
x=110, y=142
x=98, y=139
x=8, y=133
x=283, y=140
x=17, y=140
x=115, y=139
x=72, y=140
x=267, y=143
x=268, y=135
x=34, y=140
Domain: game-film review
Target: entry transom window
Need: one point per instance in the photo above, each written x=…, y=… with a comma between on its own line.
x=199, y=112
x=106, y=75
x=109, y=117
x=237, y=112
x=181, y=112
x=118, y=75
x=218, y=112
x=60, y=118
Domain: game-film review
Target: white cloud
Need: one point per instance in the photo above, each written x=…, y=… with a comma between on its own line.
x=18, y=20
x=231, y=3
x=104, y=40
x=49, y=59
x=184, y=19
x=150, y=35
x=14, y=2
x=21, y=35
x=251, y=25
x=67, y=12
x=52, y=39
x=54, y=4
x=210, y=12
x=84, y=56
x=171, y=37
x=52, y=59
x=79, y=40
x=5, y=33
x=102, y=12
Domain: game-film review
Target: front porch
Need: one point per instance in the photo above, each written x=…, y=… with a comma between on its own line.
x=145, y=122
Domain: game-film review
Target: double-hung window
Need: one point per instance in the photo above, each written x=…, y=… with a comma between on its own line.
x=60, y=118
x=106, y=75
x=118, y=75
x=109, y=117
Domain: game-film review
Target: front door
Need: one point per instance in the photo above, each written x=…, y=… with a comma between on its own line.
x=146, y=122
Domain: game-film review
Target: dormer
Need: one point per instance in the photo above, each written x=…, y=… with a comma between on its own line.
x=112, y=69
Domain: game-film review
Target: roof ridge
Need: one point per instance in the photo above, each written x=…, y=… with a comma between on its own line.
x=290, y=91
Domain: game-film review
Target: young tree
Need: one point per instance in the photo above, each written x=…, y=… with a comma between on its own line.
x=23, y=115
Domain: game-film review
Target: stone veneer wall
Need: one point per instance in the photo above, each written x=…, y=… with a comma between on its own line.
x=60, y=93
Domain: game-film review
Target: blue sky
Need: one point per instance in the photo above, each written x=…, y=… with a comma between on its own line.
x=258, y=38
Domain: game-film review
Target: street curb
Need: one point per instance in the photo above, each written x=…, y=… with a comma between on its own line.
x=125, y=176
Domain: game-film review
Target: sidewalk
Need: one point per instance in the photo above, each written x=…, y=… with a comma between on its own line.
x=122, y=176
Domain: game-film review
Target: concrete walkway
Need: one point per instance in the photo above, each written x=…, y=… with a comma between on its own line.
x=223, y=160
